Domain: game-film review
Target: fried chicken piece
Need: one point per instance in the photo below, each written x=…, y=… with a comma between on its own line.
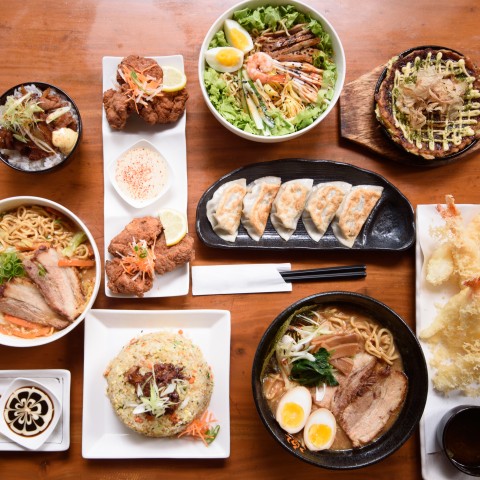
x=120, y=282
x=165, y=108
x=148, y=66
x=144, y=228
x=117, y=108
x=169, y=258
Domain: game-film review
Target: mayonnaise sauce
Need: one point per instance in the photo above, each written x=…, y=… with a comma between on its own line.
x=141, y=173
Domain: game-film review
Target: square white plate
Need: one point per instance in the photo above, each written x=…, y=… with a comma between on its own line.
x=106, y=332
x=170, y=140
x=435, y=465
x=58, y=381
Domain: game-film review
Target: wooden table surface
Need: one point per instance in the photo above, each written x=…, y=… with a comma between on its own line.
x=63, y=43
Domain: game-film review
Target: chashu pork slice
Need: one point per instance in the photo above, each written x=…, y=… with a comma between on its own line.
x=366, y=416
x=60, y=286
x=21, y=298
x=355, y=383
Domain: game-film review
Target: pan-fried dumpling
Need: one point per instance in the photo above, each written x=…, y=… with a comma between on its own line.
x=225, y=208
x=257, y=204
x=289, y=204
x=322, y=203
x=356, y=207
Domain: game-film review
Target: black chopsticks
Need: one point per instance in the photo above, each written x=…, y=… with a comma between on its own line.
x=349, y=272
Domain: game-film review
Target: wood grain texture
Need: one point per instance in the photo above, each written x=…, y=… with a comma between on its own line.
x=63, y=43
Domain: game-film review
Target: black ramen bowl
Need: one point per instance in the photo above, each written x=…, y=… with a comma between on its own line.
x=47, y=166
x=406, y=157
x=415, y=369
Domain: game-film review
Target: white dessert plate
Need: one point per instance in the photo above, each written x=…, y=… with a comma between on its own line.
x=170, y=140
x=106, y=332
x=58, y=382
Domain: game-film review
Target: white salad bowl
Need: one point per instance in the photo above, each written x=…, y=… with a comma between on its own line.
x=339, y=58
x=13, y=202
x=135, y=202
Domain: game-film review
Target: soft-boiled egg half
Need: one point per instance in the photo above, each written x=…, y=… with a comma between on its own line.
x=320, y=429
x=293, y=409
x=237, y=36
x=224, y=59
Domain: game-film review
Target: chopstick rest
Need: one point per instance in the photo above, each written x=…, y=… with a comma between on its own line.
x=247, y=278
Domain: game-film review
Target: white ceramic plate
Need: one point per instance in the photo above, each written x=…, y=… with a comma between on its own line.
x=170, y=140
x=58, y=381
x=435, y=465
x=106, y=332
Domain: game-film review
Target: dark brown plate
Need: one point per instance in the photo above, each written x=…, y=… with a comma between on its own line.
x=390, y=226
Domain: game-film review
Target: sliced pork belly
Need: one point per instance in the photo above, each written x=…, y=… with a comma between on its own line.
x=355, y=383
x=60, y=286
x=22, y=299
x=366, y=416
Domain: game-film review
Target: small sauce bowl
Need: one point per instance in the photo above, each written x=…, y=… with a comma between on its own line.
x=458, y=434
x=29, y=413
x=141, y=175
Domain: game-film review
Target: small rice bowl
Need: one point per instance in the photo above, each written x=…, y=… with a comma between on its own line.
x=164, y=348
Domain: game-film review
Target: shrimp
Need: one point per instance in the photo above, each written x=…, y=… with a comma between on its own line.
x=260, y=66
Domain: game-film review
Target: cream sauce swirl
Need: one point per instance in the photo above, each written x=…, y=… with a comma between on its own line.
x=141, y=173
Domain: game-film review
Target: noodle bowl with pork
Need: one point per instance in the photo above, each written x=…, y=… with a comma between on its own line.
x=49, y=271
x=332, y=381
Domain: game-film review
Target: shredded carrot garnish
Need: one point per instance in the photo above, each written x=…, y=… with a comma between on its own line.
x=141, y=87
x=191, y=380
x=141, y=261
x=202, y=428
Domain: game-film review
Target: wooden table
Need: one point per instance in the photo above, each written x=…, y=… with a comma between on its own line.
x=63, y=43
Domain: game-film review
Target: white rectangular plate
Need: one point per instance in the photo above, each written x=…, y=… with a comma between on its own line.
x=435, y=465
x=170, y=141
x=106, y=332
x=58, y=381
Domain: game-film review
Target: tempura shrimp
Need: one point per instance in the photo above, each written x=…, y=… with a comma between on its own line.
x=260, y=66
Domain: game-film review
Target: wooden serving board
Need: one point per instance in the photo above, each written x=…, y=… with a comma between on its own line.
x=359, y=124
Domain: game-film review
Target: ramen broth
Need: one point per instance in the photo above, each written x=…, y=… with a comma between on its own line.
x=272, y=385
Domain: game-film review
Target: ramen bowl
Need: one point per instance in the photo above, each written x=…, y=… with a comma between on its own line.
x=409, y=414
x=20, y=162
x=78, y=226
x=338, y=58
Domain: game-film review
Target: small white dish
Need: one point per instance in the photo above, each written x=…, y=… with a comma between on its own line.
x=163, y=165
x=46, y=410
x=103, y=434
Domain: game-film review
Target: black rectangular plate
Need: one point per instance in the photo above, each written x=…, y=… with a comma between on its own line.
x=391, y=225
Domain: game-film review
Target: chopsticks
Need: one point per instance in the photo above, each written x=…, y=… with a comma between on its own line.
x=330, y=273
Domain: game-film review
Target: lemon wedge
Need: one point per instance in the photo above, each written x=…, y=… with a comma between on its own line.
x=173, y=79
x=174, y=225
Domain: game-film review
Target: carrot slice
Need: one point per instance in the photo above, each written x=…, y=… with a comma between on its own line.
x=23, y=328
x=16, y=331
x=20, y=321
x=75, y=262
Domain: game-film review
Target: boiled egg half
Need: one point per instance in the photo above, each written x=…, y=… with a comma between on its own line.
x=224, y=59
x=320, y=429
x=237, y=36
x=293, y=409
